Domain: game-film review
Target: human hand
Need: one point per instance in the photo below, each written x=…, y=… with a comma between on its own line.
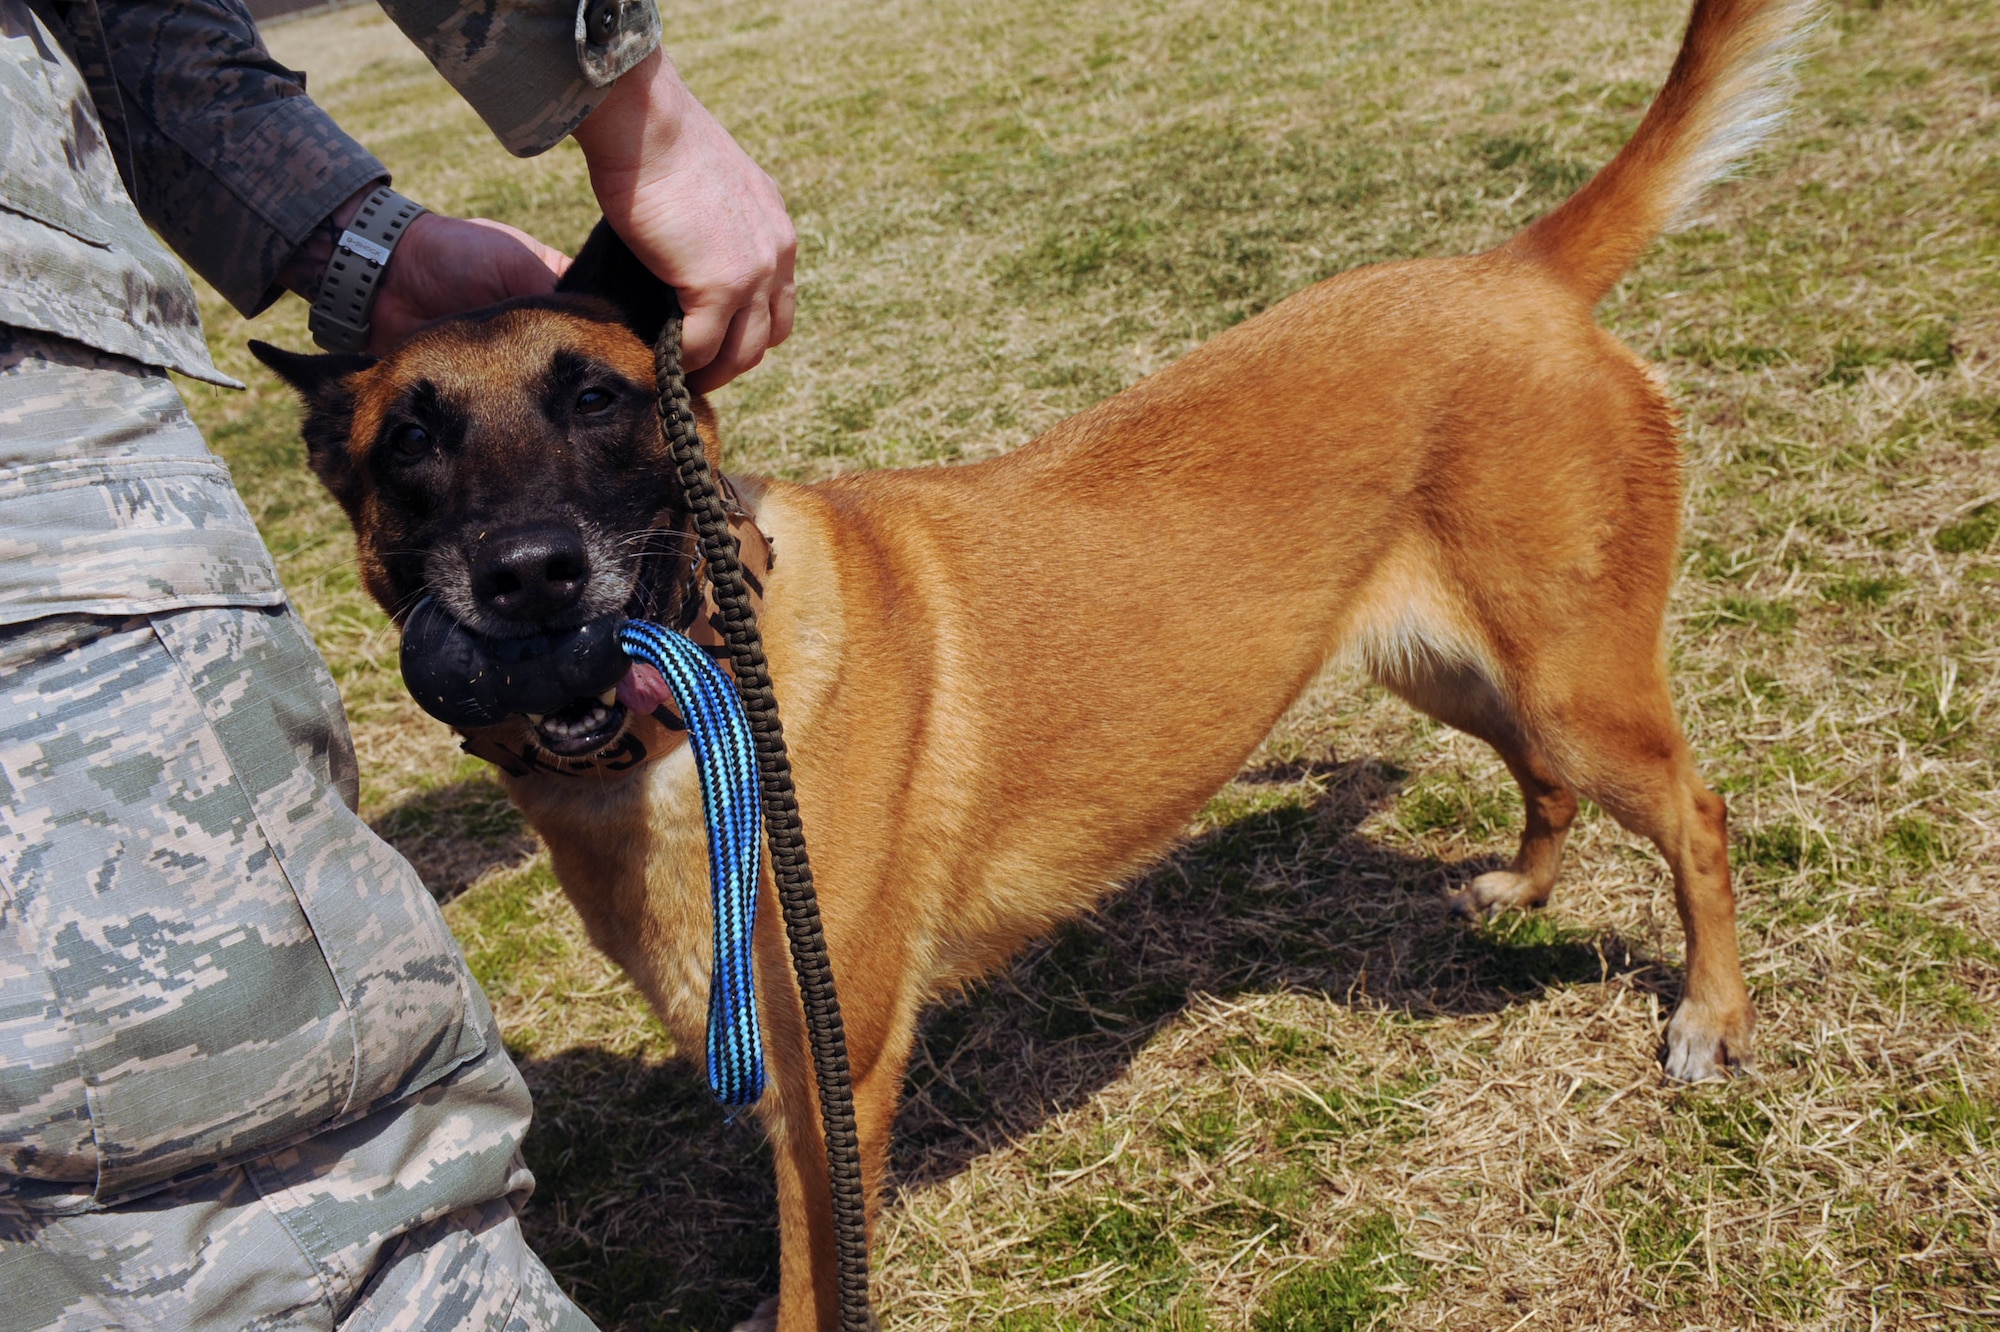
x=697, y=211
x=442, y=266
x=447, y=265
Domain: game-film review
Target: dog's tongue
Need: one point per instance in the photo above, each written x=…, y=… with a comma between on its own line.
x=643, y=689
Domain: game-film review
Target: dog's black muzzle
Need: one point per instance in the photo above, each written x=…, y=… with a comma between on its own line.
x=467, y=680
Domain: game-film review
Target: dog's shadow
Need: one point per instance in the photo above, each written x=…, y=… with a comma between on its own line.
x=1286, y=896
x=656, y=1213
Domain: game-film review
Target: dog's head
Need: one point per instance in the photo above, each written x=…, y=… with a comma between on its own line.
x=506, y=480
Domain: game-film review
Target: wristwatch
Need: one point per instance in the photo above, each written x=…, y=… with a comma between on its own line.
x=346, y=297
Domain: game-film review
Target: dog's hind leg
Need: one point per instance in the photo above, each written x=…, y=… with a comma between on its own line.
x=1460, y=695
x=1618, y=742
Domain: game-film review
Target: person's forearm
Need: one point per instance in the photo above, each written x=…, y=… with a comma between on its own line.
x=639, y=121
x=232, y=165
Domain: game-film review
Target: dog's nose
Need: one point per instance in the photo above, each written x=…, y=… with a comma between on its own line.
x=530, y=573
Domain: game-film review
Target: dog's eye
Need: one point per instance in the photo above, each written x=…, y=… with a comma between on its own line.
x=410, y=440
x=592, y=401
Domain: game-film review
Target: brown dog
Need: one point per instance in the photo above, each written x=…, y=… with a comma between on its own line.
x=1480, y=490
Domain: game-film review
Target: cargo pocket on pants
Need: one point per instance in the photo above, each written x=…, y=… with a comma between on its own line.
x=236, y=958
x=277, y=714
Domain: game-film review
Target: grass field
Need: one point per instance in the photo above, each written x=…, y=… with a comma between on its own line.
x=1272, y=1086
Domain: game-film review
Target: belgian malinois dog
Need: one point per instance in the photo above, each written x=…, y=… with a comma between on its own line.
x=1480, y=493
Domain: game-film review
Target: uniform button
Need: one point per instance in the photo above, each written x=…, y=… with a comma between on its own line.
x=600, y=22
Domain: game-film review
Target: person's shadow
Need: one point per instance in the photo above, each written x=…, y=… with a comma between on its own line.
x=656, y=1213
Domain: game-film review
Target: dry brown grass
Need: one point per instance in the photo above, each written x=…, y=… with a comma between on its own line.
x=1272, y=1086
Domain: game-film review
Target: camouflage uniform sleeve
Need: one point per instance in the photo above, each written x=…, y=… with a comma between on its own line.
x=532, y=69
x=232, y=163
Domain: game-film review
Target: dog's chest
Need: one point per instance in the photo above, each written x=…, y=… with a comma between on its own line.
x=634, y=862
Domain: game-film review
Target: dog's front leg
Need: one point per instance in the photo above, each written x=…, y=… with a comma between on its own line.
x=880, y=1025
x=808, y=1288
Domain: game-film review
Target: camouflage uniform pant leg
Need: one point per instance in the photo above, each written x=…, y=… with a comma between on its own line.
x=211, y=955
x=471, y=1269
x=362, y=1229
x=245, y=1081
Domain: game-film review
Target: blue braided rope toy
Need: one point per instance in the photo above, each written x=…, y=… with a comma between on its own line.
x=726, y=760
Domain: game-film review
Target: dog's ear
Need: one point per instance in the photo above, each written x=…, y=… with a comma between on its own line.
x=317, y=379
x=606, y=268
x=322, y=382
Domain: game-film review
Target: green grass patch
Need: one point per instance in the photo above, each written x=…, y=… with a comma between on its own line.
x=1386, y=1111
x=1718, y=563
x=1264, y=805
x=1963, y=1122
x=1956, y=1120
x=470, y=805
x=1205, y=1132
x=503, y=926
x=1477, y=808
x=1725, y=1130
x=1085, y=1233
x=1914, y=959
x=1336, y=1104
x=1974, y=532
x=1790, y=1286
x=1780, y=847
x=1917, y=841
x=1374, y=1275
x=1928, y=351
x=1864, y=590
x=1188, y=1312
x=1523, y=952
x=1275, y=1045
x=1974, y=422
x=1739, y=356
x=1531, y=158
x=1271, y=1205
x=1771, y=617
x=1661, y=1241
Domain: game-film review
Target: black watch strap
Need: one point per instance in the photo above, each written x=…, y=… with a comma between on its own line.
x=340, y=312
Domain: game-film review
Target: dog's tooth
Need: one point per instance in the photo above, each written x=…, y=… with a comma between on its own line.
x=609, y=696
x=535, y=718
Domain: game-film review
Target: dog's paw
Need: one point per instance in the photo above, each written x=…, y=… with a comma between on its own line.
x=1702, y=1047
x=764, y=1320
x=1494, y=892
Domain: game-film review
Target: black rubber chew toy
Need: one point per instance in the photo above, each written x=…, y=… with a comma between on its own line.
x=467, y=679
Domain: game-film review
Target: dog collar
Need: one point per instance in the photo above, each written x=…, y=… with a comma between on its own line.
x=512, y=745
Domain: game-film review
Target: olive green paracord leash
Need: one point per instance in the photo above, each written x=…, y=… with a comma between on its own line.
x=784, y=834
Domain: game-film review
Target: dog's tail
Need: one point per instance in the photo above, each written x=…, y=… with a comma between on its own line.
x=1727, y=90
